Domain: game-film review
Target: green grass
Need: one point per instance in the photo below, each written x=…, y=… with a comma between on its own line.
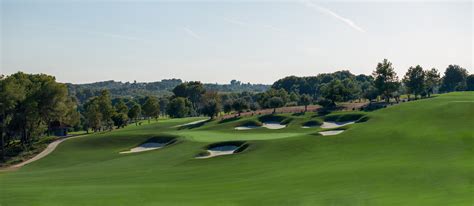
x=415, y=153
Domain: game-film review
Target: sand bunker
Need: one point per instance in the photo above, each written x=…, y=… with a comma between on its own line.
x=145, y=147
x=332, y=132
x=330, y=125
x=268, y=125
x=273, y=125
x=219, y=151
x=246, y=127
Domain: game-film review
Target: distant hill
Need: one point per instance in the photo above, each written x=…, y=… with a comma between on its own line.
x=158, y=88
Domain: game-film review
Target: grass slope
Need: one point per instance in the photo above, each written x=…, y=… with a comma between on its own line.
x=416, y=153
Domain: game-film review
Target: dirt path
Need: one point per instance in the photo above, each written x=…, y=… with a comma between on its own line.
x=50, y=148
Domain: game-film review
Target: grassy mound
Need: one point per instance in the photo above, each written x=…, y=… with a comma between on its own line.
x=346, y=117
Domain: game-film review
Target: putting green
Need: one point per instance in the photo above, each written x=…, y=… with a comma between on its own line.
x=415, y=153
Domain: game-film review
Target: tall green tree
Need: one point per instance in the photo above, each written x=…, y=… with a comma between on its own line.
x=240, y=105
x=275, y=102
x=179, y=107
x=371, y=93
x=263, y=98
x=414, y=80
x=454, y=79
x=470, y=82
x=228, y=106
x=211, y=108
x=193, y=90
x=134, y=112
x=72, y=116
x=11, y=94
x=121, y=107
x=120, y=117
x=151, y=108
x=386, y=80
x=164, y=101
x=333, y=91
x=432, y=80
x=45, y=102
x=31, y=103
x=106, y=109
x=92, y=114
x=305, y=100
x=352, y=90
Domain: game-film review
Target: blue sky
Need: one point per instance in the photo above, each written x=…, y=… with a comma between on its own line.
x=211, y=41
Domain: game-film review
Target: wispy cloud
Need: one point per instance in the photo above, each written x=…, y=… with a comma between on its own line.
x=327, y=11
x=191, y=33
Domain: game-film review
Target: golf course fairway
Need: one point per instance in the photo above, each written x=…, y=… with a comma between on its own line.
x=415, y=153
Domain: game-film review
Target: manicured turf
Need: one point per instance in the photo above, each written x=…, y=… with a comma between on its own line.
x=416, y=153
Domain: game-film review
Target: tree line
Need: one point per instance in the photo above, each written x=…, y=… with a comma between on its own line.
x=159, y=88
x=384, y=82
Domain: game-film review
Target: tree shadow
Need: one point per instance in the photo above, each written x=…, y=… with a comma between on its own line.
x=229, y=120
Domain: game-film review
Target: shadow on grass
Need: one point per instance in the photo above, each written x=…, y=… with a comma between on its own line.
x=196, y=125
x=229, y=120
x=165, y=139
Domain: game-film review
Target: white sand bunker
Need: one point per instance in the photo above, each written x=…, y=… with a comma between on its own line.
x=245, y=127
x=268, y=125
x=273, y=125
x=330, y=125
x=332, y=132
x=219, y=151
x=145, y=147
